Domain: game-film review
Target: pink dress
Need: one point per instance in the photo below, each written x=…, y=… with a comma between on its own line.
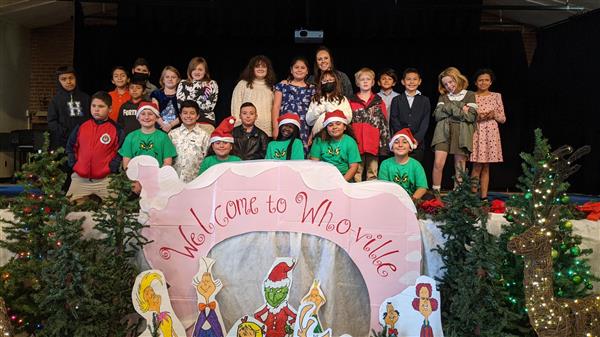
x=486, y=139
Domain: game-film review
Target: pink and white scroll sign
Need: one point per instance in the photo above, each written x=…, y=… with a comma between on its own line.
x=373, y=222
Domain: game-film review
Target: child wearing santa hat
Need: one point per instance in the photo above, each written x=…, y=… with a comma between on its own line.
x=147, y=140
x=335, y=144
x=288, y=144
x=402, y=169
x=221, y=144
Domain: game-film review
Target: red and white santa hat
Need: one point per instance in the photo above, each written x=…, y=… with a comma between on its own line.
x=223, y=132
x=289, y=118
x=279, y=275
x=406, y=134
x=147, y=106
x=335, y=116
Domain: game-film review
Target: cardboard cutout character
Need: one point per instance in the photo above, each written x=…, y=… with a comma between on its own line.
x=276, y=313
x=151, y=301
x=209, y=322
x=426, y=305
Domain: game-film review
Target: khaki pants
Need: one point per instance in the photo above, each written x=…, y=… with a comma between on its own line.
x=83, y=187
x=371, y=163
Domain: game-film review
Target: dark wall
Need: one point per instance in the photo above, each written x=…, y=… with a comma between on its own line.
x=563, y=84
x=422, y=34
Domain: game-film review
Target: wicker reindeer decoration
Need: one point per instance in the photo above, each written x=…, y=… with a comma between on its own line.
x=550, y=316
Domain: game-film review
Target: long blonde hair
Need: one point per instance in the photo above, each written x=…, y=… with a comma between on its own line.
x=144, y=284
x=461, y=81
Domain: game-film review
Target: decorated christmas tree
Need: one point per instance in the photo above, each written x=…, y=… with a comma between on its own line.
x=28, y=238
x=91, y=279
x=60, y=282
x=543, y=186
x=473, y=298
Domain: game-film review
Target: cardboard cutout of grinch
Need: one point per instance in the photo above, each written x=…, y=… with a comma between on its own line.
x=276, y=314
x=209, y=322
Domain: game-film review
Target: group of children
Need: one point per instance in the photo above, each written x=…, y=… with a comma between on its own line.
x=300, y=117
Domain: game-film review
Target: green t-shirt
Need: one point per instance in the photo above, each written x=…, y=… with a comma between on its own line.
x=277, y=149
x=156, y=144
x=340, y=153
x=213, y=160
x=411, y=175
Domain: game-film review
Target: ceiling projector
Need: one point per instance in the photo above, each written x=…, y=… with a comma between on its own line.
x=308, y=36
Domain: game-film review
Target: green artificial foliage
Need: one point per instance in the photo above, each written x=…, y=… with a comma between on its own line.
x=62, y=282
x=27, y=236
x=472, y=294
x=543, y=186
x=92, y=279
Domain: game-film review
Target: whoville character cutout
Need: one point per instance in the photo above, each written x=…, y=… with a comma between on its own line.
x=390, y=317
x=425, y=304
x=209, y=322
x=308, y=323
x=276, y=313
x=247, y=328
x=151, y=300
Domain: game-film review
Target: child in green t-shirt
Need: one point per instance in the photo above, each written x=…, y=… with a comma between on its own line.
x=402, y=169
x=288, y=144
x=221, y=144
x=147, y=140
x=335, y=144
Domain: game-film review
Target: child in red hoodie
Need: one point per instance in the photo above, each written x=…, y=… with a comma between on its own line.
x=92, y=151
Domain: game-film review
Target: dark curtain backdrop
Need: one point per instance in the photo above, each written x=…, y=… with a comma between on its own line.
x=564, y=77
x=422, y=34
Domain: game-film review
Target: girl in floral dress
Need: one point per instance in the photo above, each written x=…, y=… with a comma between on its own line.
x=294, y=95
x=486, y=139
x=200, y=88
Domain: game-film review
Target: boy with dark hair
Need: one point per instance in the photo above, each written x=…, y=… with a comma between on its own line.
x=141, y=66
x=250, y=142
x=128, y=112
x=387, y=81
x=120, y=95
x=411, y=110
x=403, y=170
x=92, y=151
x=190, y=141
x=69, y=107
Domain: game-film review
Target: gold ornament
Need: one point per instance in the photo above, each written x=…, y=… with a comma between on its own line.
x=550, y=316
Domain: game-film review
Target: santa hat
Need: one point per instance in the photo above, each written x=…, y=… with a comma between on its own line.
x=147, y=106
x=279, y=275
x=335, y=116
x=406, y=134
x=289, y=118
x=223, y=132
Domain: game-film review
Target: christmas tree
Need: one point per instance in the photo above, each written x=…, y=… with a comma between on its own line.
x=543, y=186
x=28, y=238
x=473, y=298
x=90, y=280
x=60, y=283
